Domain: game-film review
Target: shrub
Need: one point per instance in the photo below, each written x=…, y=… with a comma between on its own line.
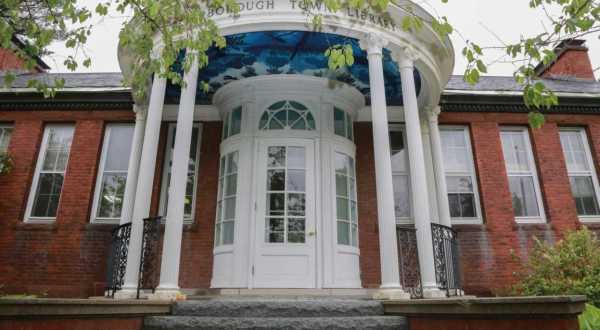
x=590, y=319
x=6, y=163
x=570, y=267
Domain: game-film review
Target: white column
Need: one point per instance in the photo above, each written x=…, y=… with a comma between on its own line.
x=143, y=194
x=418, y=177
x=438, y=166
x=388, y=246
x=134, y=164
x=171, y=252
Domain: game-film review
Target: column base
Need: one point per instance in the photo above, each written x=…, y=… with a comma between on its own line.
x=167, y=294
x=434, y=293
x=126, y=293
x=391, y=294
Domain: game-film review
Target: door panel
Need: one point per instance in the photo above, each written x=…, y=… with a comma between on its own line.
x=285, y=215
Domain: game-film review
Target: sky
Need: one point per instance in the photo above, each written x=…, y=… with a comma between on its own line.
x=486, y=22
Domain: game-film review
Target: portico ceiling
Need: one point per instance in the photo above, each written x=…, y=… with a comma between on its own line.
x=289, y=52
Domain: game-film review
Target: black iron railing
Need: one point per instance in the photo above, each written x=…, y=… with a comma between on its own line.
x=117, y=259
x=446, y=259
x=149, y=258
x=408, y=260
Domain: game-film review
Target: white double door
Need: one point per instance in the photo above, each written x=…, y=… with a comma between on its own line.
x=285, y=221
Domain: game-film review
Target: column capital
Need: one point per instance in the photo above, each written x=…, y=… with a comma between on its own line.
x=373, y=43
x=140, y=111
x=406, y=57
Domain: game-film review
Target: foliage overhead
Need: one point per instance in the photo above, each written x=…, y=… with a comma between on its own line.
x=570, y=267
x=159, y=29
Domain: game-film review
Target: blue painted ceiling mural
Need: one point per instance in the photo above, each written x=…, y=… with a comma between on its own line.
x=289, y=52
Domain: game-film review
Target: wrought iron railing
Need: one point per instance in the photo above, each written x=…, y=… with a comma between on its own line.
x=408, y=260
x=149, y=258
x=446, y=259
x=117, y=259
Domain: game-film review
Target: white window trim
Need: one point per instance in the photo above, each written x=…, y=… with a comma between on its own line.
x=592, y=172
x=8, y=126
x=100, y=175
x=410, y=219
x=36, y=176
x=162, y=210
x=472, y=174
x=533, y=173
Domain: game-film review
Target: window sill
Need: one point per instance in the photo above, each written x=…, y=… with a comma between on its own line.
x=530, y=221
x=476, y=222
x=592, y=220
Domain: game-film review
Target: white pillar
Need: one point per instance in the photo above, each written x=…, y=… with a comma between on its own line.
x=171, y=252
x=418, y=177
x=143, y=194
x=438, y=165
x=388, y=246
x=134, y=164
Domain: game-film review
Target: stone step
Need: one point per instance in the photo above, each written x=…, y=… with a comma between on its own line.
x=278, y=308
x=288, y=323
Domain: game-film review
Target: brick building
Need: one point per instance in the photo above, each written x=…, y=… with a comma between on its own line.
x=292, y=182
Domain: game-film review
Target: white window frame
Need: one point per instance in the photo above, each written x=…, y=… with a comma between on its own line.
x=532, y=173
x=98, y=189
x=7, y=126
x=591, y=173
x=162, y=208
x=36, y=176
x=410, y=219
x=471, y=173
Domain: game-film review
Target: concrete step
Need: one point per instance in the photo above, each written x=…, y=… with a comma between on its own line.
x=288, y=323
x=255, y=308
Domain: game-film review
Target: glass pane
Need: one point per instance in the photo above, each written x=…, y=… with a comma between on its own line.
x=459, y=184
x=222, y=166
x=276, y=180
x=310, y=121
x=401, y=196
x=353, y=212
x=467, y=203
x=119, y=148
x=236, y=121
x=341, y=164
x=229, y=208
x=296, y=180
x=111, y=195
x=585, y=196
x=341, y=185
x=295, y=121
x=264, y=120
x=343, y=233
x=296, y=204
x=574, y=150
x=354, y=235
x=523, y=197
x=231, y=187
x=232, y=162
x=455, y=152
x=280, y=117
x=227, y=228
x=5, y=133
x=515, y=150
x=349, y=133
x=276, y=157
x=296, y=157
x=454, y=204
x=399, y=152
x=47, y=195
x=275, y=204
x=296, y=230
x=342, y=209
x=338, y=122
x=225, y=127
x=218, y=240
x=50, y=160
x=276, y=224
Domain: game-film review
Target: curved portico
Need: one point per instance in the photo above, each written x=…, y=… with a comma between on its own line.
x=285, y=104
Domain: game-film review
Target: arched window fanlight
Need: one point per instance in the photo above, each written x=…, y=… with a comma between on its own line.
x=287, y=114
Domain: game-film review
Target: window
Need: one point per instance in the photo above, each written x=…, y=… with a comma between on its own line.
x=400, y=174
x=226, y=199
x=5, y=133
x=460, y=174
x=342, y=124
x=232, y=123
x=112, y=174
x=287, y=115
x=345, y=191
x=522, y=176
x=582, y=173
x=49, y=173
x=190, y=190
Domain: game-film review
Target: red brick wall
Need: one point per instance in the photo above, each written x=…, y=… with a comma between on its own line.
x=73, y=324
x=493, y=324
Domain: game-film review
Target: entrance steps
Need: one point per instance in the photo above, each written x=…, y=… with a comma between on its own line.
x=276, y=313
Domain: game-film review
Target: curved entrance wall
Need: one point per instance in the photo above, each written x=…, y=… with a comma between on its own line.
x=291, y=140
